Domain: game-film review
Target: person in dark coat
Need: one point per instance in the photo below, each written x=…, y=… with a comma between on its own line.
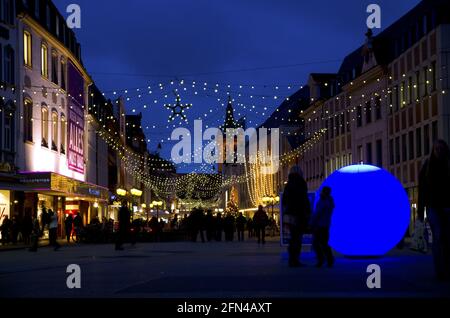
x=15, y=229
x=197, y=223
x=6, y=230
x=260, y=221
x=320, y=226
x=210, y=224
x=229, y=227
x=297, y=211
x=45, y=219
x=434, y=183
x=68, y=223
x=35, y=233
x=124, y=225
x=219, y=227
x=240, y=226
x=78, y=225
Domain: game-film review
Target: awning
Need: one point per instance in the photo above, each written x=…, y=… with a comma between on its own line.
x=57, y=184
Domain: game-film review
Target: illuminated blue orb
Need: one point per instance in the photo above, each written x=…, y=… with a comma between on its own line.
x=372, y=210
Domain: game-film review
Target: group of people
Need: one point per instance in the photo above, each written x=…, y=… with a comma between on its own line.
x=215, y=226
x=299, y=218
x=434, y=201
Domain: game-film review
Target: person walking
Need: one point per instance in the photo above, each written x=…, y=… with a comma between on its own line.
x=250, y=227
x=229, y=227
x=6, y=230
x=77, y=225
x=297, y=211
x=45, y=220
x=124, y=225
x=260, y=221
x=52, y=228
x=434, y=181
x=240, y=226
x=68, y=224
x=320, y=226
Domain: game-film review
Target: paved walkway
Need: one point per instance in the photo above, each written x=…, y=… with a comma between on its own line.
x=216, y=269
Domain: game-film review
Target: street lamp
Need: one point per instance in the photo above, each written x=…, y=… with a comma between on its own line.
x=157, y=204
x=271, y=200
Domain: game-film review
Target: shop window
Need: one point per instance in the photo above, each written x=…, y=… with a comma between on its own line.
x=369, y=153
x=378, y=108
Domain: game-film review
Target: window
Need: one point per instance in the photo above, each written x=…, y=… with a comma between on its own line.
x=360, y=154
x=28, y=120
x=397, y=150
x=55, y=130
x=418, y=142
x=44, y=60
x=396, y=97
x=409, y=93
x=63, y=133
x=411, y=145
x=1, y=63
x=9, y=131
x=391, y=151
x=425, y=81
x=336, y=125
x=368, y=113
x=44, y=126
x=434, y=131
x=369, y=153
x=7, y=11
x=9, y=65
x=55, y=67
x=27, y=47
x=379, y=145
x=359, y=116
x=433, y=76
x=402, y=95
x=378, y=108
x=63, y=74
x=37, y=9
x=426, y=139
x=342, y=124
x=404, y=149
x=417, y=87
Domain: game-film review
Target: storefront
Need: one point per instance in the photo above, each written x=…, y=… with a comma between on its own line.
x=63, y=195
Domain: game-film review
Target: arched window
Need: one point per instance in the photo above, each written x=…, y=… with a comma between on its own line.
x=27, y=55
x=28, y=120
x=54, y=130
x=63, y=133
x=44, y=60
x=44, y=126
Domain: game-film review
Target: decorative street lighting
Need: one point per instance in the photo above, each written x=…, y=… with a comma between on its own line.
x=271, y=201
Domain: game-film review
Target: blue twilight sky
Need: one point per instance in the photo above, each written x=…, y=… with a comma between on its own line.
x=134, y=44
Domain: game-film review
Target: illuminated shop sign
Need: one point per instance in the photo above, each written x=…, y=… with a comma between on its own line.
x=75, y=152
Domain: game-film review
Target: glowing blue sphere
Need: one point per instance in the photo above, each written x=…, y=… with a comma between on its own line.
x=372, y=210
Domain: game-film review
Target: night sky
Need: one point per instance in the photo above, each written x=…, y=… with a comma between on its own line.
x=134, y=44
